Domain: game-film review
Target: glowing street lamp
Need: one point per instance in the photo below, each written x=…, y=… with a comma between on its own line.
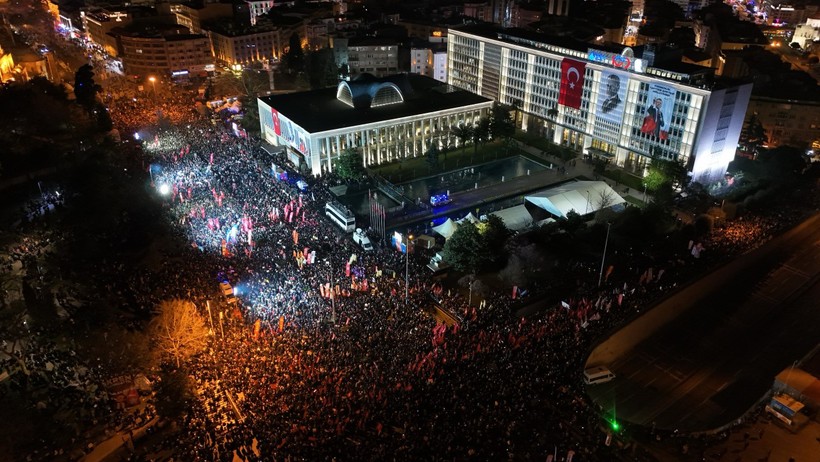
x=153, y=81
x=164, y=189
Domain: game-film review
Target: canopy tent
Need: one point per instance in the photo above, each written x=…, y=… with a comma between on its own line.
x=582, y=196
x=446, y=229
x=515, y=218
x=469, y=217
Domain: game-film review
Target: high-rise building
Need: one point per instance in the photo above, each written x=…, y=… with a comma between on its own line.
x=604, y=103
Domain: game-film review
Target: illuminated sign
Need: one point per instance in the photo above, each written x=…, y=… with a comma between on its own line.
x=179, y=73
x=615, y=60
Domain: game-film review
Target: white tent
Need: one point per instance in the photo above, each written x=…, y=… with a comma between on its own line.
x=446, y=229
x=582, y=196
x=469, y=217
x=515, y=218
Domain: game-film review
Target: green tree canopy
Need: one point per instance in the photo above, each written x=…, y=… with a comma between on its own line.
x=350, y=165
x=474, y=248
x=464, y=133
x=464, y=249
x=501, y=123
x=432, y=155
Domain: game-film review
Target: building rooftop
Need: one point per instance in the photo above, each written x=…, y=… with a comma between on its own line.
x=227, y=27
x=320, y=110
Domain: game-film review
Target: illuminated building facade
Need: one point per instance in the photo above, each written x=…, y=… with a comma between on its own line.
x=386, y=119
x=605, y=104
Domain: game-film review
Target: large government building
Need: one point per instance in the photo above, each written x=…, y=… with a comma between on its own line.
x=610, y=104
x=387, y=119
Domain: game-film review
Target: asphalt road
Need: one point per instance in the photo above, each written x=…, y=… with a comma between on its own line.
x=711, y=364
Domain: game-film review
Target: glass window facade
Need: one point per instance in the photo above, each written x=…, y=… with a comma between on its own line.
x=529, y=74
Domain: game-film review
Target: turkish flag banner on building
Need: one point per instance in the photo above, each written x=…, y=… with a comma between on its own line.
x=572, y=83
x=277, y=127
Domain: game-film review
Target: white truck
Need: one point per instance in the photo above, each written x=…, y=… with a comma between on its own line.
x=359, y=237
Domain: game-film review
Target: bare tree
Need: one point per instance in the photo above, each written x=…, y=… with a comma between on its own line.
x=606, y=197
x=13, y=336
x=179, y=330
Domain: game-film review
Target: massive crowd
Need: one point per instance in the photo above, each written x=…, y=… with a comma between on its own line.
x=342, y=366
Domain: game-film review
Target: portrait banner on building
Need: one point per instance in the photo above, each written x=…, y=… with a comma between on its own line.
x=612, y=96
x=266, y=115
x=658, y=112
x=572, y=83
x=291, y=133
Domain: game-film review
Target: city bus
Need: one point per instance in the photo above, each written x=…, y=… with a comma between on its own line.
x=341, y=216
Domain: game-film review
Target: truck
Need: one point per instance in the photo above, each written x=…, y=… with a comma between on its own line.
x=359, y=237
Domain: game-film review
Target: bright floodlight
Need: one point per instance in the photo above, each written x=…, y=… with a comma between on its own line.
x=137, y=136
x=164, y=189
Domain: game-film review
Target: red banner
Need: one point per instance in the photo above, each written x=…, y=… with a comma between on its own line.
x=572, y=83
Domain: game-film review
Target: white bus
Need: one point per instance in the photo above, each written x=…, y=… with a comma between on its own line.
x=341, y=216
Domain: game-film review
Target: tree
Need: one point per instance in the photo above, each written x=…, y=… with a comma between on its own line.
x=104, y=123
x=179, y=331
x=295, y=56
x=481, y=133
x=606, y=197
x=552, y=114
x=349, y=166
x=432, y=155
x=174, y=394
x=14, y=335
x=501, y=124
x=516, y=107
x=464, y=133
x=322, y=69
x=572, y=223
x=494, y=235
x=85, y=89
x=464, y=248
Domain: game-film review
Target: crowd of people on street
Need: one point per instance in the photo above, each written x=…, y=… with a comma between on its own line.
x=328, y=355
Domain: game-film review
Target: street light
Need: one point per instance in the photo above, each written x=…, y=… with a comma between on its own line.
x=407, y=268
x=153, y=81
x=644, y=194
x=603, y=257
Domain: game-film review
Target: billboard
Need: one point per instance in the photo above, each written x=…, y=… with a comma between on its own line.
x=290, y=133
x=612, y=96
x=658, y=112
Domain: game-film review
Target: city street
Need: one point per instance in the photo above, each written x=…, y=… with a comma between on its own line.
x=707, y=367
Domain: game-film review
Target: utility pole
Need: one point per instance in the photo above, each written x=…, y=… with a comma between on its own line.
x=603, y=257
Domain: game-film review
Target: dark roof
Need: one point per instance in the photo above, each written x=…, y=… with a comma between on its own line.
x=492, y=32
x=319, y=110
x=228, y=27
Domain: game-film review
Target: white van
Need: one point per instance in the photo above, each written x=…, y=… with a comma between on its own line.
x=359, y=237
x=596, y=375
